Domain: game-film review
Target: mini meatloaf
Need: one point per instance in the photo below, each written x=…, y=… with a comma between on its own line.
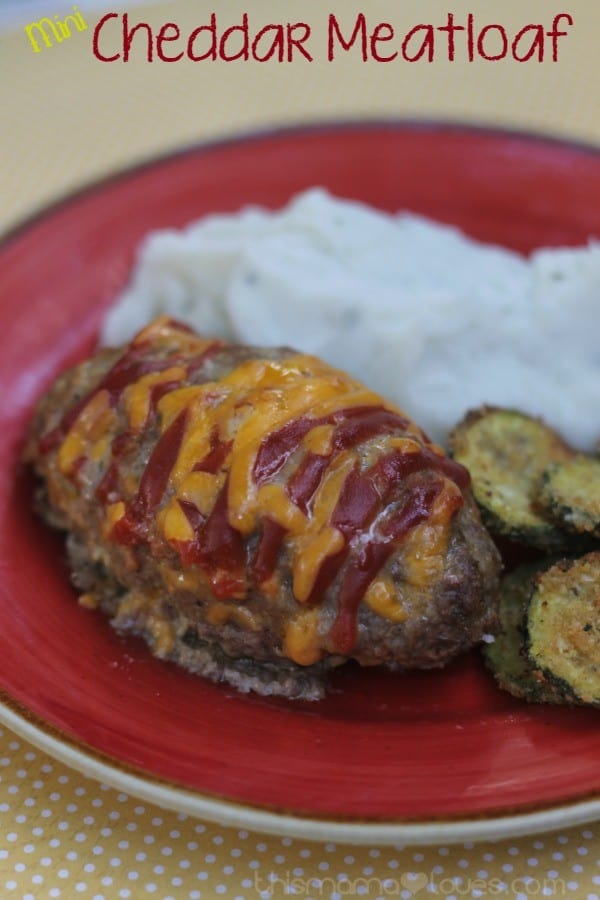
x=258, y=516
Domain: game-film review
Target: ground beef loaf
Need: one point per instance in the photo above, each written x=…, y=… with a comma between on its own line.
x=258, y=516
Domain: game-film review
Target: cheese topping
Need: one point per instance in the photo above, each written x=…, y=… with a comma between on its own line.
x=87, y=437
x=302, y=642
x=382, y=596
x=290, y=450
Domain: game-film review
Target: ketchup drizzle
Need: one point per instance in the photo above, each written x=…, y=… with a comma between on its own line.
x=370, y=533
x=368, y=561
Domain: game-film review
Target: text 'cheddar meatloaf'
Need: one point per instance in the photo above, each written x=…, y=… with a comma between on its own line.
x=258, y=516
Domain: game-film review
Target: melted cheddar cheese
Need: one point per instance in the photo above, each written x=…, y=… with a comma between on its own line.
x=292, y=443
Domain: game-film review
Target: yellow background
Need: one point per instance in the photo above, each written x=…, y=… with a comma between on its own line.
x=67, y=119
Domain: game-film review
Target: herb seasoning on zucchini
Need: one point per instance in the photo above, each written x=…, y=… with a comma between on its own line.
x=507, y=656
x=563, y=624
x=506, y=452
x=570, y=494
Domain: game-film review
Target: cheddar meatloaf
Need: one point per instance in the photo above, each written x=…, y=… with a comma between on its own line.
x=258, y=516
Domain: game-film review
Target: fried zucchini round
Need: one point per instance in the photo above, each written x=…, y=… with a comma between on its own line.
x=570, y=494
x=506, y=452
x=563, y=625
x=507, y=656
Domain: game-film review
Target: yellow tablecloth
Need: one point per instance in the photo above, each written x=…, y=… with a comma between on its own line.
x=66, y=119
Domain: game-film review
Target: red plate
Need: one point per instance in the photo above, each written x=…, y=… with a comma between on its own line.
x=383, y=748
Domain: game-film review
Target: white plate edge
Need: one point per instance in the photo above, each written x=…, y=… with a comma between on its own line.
x=232, y=815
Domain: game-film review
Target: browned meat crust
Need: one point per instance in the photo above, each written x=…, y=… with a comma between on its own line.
x=227, y=611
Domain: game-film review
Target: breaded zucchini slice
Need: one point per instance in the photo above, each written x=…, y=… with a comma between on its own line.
x=506, y=452
x=563, y=626
x=570, y=494
x=507, y=656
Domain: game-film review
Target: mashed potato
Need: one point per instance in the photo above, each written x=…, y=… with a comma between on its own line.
x=424, y=315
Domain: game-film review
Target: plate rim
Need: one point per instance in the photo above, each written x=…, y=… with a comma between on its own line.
x=219, y=811
x=230, y=813
x=250, y=135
